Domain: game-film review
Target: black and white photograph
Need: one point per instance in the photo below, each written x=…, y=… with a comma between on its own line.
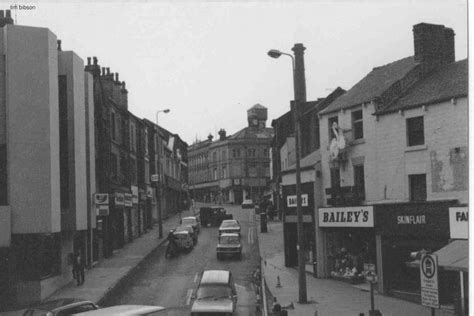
x=234, y=158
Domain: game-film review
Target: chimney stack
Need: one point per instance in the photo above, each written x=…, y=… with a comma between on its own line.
x=4, y=20
x=59, y=45
x=88, y=61
x=95, y=60
x=103, y=71
x=434, y=46
x=210, y=137
x=300, y=80
x=222, y=134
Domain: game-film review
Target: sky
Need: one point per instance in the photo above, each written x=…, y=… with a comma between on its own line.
x=207, y=61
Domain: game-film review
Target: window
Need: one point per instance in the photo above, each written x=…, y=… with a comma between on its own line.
x=234, y=154
x=335, y=178
x=215, y=173
x=359, y=184
x=214, y=156
x=415, y=131
x=417, y=184
x=113, y=165
x=224, y=155
x=224, y=172
x=331, y=121
x=265, y=153
x=357, y=126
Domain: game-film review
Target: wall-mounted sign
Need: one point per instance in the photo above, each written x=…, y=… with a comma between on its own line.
x=155, y=178
x=236, y=181
x=458, y=222
x=102, y=210
x=291, y=200
x=134, y=190
x=128, y=199
x=101, y=199
x=429, y=281
x=119, y=198
x=149, y=191
x=350, y=216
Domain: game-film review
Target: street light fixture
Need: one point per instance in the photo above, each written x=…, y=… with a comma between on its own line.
x=158, y=186
x=274, y=53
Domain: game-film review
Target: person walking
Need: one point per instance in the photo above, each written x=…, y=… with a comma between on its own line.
x=78, y=268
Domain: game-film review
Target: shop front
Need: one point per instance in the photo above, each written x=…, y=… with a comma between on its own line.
x=348, y=242
x=290, y=232
x=402, y=230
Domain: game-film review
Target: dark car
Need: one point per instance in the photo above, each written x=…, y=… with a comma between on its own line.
x=61, y=307
x=213, y=215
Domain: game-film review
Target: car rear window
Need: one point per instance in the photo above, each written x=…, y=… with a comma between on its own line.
x=213, y=291
x=232, y=240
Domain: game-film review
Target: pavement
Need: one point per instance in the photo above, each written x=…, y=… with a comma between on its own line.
x=104, y=276
x=325, y=296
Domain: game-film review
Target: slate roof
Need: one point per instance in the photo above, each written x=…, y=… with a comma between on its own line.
x=253, y=132
x=449, y=82
x=373, y=85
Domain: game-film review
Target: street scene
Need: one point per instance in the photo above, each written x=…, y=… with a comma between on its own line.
x=234, y=158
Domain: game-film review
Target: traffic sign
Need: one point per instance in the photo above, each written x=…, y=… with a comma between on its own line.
x=429, y=280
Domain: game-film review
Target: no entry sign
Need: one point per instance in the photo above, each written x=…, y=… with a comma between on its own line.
x=429, y=281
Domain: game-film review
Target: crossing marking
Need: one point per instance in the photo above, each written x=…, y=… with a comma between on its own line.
x=188, y=296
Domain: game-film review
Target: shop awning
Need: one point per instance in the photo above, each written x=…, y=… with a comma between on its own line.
x=454, y=256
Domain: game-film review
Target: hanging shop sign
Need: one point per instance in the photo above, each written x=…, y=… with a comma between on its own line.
x=291, y=200
x=134, y=190
x=458, y=222
x=149, y=191
x=128, y=199
x=101, y=199
x=119, y=199
x=429, y=280
x=350, y=216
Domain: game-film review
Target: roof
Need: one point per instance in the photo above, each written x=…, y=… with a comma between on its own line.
x=257, y=106
x=252, y=132
x=307, y=162
x=454, y=256
x=373, y=85
x=451, y=81
x=215, y=276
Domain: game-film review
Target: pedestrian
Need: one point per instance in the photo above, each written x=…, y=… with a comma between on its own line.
x=276, y=308
x=78, y=269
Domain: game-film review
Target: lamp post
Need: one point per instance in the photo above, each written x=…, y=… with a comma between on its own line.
x=158, y=185
x=300, y=95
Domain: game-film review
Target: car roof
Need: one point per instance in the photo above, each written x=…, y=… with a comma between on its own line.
x=124, y=310
x=229, y=235
x=215, y=277
x=58, y=303
x=189, y=217
x=184, y=227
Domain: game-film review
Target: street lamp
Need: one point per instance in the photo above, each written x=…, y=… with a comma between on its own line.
x=158, y=186
x=274, y=53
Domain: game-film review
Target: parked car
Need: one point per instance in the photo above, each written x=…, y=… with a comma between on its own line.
x=61, y=307
x=213, y=215
x=215, y=294
x=184, y=237
x=191, y=221
x=129, y=310
x=229, y=245
x=247, y=204
x=229, y=226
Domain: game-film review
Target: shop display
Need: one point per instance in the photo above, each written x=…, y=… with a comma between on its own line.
x=348, y=267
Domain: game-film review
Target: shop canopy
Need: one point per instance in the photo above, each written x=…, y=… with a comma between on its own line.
x=454, y=256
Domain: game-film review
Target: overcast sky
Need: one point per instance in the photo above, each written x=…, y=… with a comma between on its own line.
x=206, y=60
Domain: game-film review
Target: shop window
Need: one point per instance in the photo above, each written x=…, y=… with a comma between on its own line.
x=331, y=121
x=359, y=182
x=417, y=187
x=357, y=126
x=415, y=131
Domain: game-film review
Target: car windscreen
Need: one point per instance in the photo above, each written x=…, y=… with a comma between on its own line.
x=228, y=224
x=213, y=291
x=189, y=221
x=229, y=240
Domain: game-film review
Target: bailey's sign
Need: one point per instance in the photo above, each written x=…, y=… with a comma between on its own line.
x=353, y=216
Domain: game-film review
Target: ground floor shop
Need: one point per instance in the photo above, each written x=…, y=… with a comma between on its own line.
x=385, y=236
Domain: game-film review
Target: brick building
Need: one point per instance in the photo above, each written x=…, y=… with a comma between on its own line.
x=233, y=167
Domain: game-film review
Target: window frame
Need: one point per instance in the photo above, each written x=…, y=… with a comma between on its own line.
x=413, y=131
x=415, y=191
x=357, y=123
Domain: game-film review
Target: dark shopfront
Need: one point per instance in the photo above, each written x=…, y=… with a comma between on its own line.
x=290, y=232
x=402, y=229
x=349, y=241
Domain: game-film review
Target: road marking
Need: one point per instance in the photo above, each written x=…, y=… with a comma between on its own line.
x=188, y=296
x=195, y=277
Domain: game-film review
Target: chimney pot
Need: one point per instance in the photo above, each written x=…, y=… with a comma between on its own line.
x=2, y=14
x=108, y=70
x=59, y=45
x=95, y=60
x=103, y=71
x=123, y=85
x=88, y=61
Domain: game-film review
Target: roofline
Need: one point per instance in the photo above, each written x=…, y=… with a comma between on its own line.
x=412, y=106
x=346, y=107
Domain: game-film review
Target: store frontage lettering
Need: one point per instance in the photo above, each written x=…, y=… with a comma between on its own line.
x=411, y=219
x=346, y=217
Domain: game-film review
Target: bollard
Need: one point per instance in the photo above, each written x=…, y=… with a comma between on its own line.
x=278, y=281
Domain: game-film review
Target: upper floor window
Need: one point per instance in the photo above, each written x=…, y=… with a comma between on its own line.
x=214, y=156
x=224, y=172
x=331, y=121
x=215, y=173
x=265, y=152
x=417, y=184
x=415, y=131
x=357, y=126
x=359, y=182
x=251, y=152
x=335, y=178
x=224, y=155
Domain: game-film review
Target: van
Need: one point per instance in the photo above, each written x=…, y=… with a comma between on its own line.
x=215, y=294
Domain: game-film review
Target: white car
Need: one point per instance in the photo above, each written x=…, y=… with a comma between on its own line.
x=128, y=310
x=229, y=245
x=191, y=221
x=247, y=204
x=229, y=226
